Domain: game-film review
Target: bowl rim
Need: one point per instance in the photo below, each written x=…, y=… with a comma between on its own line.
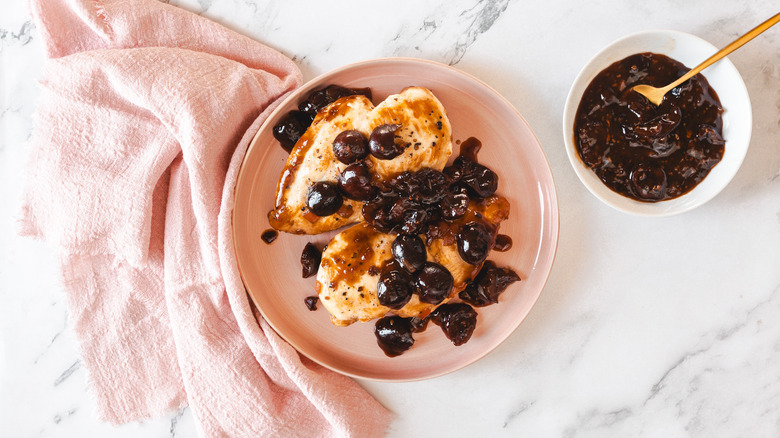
x=693, y=198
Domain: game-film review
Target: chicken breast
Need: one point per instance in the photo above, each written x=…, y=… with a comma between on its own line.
x=351, y=264
x=425, y=131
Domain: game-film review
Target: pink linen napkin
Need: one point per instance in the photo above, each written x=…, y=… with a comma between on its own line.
x=146, y=112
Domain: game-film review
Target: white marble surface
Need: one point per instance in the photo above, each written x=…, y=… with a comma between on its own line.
x=647, y=327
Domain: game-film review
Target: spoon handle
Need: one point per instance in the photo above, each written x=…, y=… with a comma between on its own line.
x=739, y=42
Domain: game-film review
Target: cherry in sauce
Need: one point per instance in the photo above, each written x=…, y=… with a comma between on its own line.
x=350, y=146
x=269, y=236
x=394, y=335
x=394, y=288
x=310, y=260
x=409, y=251
x=433, y=283
x=311, y=302
x=503, y=243
x=645, y=152
x=355, y=182
x=324, y=198
x=491, y=281
x=382, y=142
x=294, y=124
x=474, y=243
x=457, y=321
x=323, y=97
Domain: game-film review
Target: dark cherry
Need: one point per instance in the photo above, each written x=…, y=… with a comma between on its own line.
x=488, y=285
x=659, y=126
x=294, y=124
x=377, y=211
x=324, y=198
x=457, y=321
x=394, y=335
x=355, y=182
x=311, y=302
x=382, y=142
x=503, y=243
x=428, y=186
x=409, y=251
x=290, y=128
x=648, y=182
x=414, y=221
x=455, y=203
x=310, y=260
x=323, y=97
x=350, y=146
x=433, y=283
x=394, y=288
x=474, y=243
x=481, y=181
x=269, y=236
x=400, y=183
x=453, y=173
x=401, y=206
x=376, y=215
x=413, y=202
x=409, y=215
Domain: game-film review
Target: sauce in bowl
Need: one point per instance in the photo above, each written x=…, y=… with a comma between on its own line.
x=645, y=152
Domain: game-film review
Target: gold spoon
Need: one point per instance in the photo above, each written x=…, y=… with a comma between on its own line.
x=656, y=95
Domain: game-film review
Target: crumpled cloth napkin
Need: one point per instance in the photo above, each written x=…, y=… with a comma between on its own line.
x=146, y=111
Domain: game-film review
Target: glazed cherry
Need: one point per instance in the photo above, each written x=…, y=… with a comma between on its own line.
x=323, y=97
x=294, y=124
x=409, y=215
x=311, y=302
x=433, y=283
x=427, y=186
x=382, y=142
x=414, y=220
x=457, y=321
x=453, y=173
x=400, y=183
x=474, y=243
x=310, y=260
x=350, y=146
x=269, y=236
x=481, y=181
x=503, y=243
x=648, y=182
x=323, y=198
x=455, y=203
x=394, y=335
x=355, y=182
x=409, y=251
x=488, y=285
x=290, y=129
x=394, y=288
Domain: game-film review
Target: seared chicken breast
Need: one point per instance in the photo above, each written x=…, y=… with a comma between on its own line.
x=352, y=262
x=425, y=133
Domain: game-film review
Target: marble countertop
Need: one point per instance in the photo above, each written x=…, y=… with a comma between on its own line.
x=647, y=326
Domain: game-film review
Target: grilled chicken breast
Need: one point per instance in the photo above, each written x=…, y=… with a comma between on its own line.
x=425, y=131
x=351, y=264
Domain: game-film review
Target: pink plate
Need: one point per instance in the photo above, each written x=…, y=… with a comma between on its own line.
x=272, y=273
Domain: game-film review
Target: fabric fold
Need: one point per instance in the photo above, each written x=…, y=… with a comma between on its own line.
x=146, y=112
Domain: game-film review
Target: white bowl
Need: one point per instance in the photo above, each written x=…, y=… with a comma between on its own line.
x=724, y=79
